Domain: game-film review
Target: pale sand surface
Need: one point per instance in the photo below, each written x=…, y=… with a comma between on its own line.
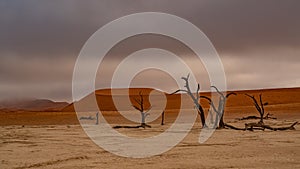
x=67, y=146
x=56, y=140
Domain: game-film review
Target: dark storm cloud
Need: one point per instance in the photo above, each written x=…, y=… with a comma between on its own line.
x=53, y=27
x=40, y=40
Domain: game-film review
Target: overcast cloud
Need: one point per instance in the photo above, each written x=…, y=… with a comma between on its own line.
x=258, y=41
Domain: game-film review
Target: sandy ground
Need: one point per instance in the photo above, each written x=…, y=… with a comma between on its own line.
x=56, y=140
x=67, y=146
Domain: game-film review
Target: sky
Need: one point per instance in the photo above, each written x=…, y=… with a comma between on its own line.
x=257, y=41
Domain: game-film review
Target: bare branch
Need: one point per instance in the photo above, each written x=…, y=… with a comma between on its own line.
x=186, y=78
x=187, y=86
x=137, y=101
x=197, y=93
x=179, y=91
x=255, y=102
x=218, y=91
x=210, y=102
x=207, y=98
x=249, y=96
x=137, y=108
x=262, y=105
x=142, y=101
x=231, y=93
x=198, y=88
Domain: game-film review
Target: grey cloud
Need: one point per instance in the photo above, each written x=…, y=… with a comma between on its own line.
x=257, y=40
x=55, y=27
x=32, y=70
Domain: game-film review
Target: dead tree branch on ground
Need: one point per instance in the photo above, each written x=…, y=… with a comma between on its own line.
x=268, y=116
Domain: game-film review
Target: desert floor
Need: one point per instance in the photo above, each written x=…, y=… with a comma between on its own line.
x=67, y=146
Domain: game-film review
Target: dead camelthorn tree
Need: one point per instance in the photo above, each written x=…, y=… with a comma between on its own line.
x=259, y=105
x=195, y=98
x=141, y=108
x=221, y=107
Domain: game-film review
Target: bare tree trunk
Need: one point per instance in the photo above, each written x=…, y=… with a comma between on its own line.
x=163, y=118
x=221, y=112
x=222, y=124
x=202, y=116
x=97, y=118
x=143, y=123
x=216, y=120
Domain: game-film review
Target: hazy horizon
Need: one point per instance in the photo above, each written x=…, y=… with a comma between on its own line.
x=20, y=99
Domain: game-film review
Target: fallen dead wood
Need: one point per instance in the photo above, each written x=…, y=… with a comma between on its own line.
x=233, y=127
x=228, y=126
x=128, y=127
x=253, y=126
x=260, y=126
x=268, y=116
x=249, y=118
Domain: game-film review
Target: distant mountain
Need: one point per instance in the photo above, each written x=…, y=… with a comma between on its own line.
x=32, y=105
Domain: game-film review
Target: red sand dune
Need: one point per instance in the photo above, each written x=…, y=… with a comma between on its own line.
x=283, y=103
x=289, y=97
